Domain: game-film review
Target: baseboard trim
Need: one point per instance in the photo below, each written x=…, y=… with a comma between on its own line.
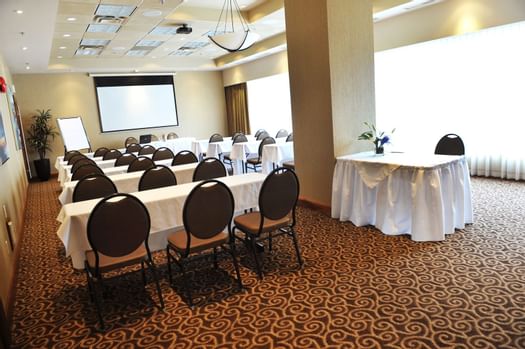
x=317, y=206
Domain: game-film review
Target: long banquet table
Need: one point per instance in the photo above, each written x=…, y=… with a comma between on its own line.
x=164, y=206
x=426, y=196
x=129, y=182
x=275, y=154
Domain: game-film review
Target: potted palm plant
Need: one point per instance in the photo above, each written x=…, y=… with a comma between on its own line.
x=40, y=136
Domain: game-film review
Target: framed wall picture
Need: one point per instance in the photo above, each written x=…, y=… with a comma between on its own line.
x=4, y=154
x=13, y=108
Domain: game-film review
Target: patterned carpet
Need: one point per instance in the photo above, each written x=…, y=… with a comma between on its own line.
x=357, y=289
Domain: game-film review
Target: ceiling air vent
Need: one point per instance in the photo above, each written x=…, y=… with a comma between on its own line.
x=110, y=20
x=84, y=50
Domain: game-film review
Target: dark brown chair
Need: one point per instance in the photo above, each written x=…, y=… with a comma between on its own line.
x=262, y=135
x=256, y=161
x=85, y=170
x=133, y=148
x=154, y=138
x=157, y=177
x=125, y=159
x=100, y=152
x=75, y=158
x=207, y=212
x=290, y=137
x=450, y=144
x=70, y=154
x=209, y=168
x=276, y=215
x=184, y=157
x=93, y=187
x=162, y=154
x=259, y=132
x=172, y=135
x=216, y=138
x=141, y=163
x=147, y=149
x=281, y=133
x=130, y=140
x=112, y=154
x=117, y=242
x=81, y=162
x=236, y=134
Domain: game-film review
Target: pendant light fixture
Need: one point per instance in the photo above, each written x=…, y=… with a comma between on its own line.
x=232, y=32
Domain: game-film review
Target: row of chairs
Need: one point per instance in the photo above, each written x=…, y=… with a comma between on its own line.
x=207, y=218
x=152, y=138
x=94, y=184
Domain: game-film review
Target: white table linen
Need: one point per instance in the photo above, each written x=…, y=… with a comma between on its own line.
x=164, y=205
x=175, y=145
x=129, y=182
x=426, y=196
x=275, y=154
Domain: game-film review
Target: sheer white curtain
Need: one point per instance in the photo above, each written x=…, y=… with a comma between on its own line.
x=472, y=85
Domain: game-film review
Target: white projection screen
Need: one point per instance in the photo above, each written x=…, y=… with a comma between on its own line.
x=135, y=102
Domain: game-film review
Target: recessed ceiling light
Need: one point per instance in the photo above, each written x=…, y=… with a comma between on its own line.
x=66, y=35
x=60, y=57
x=62, y=47
x=24, y=48
x=18, y=12
x=71, y=19
x=27, y=66
x=152, y=13
x=118, y=48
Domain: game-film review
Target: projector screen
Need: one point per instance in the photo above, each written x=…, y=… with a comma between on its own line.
x=135, y=102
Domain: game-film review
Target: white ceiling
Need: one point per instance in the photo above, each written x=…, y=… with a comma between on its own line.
x=44, y=40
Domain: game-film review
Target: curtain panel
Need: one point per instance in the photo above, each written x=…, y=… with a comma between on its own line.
x=237, y=109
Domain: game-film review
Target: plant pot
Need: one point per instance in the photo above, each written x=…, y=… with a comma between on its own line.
x=380, y=150
x=43, y=169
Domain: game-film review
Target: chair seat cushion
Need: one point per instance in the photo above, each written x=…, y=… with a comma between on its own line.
x=254, y=161
x=249, y=222
x=107, y=263
x=178, y=241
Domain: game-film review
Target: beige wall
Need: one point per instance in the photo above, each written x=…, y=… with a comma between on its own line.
x=266, y=66
x=447, y=18
x=200, y=105
x=13, y=189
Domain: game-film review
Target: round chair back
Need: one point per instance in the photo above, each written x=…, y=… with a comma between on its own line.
x=125, y=159
x=279, y=193
x=81, y=162
x=141, y=163
x=133, y=148
x=157, y=177
x=112, y=154
x=85, y=170
x=162, y=154
x=209, y=168
x=216, y=138
x=93, y=186
x=184, y=157
x=147, y=149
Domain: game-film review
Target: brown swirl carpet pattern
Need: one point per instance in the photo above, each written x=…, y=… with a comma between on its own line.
x=357, y=289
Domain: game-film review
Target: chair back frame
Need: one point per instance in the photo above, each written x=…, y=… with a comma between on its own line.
x=112, y=154
x=125, y=159
x=133, y=148
x=162, y=153
x=92, y=183
x=141, y=163
x=159, y=172
x=209, y=168
x=184, y=157
x=450, y=144
x=147, y=149
x=85, y=170
x=100, y=152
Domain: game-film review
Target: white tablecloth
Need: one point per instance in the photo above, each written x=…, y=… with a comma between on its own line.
x=426, y=196
x=201, y=146
x=175, y=145
x=164, y=206
x=275, y=154
x=129, y=182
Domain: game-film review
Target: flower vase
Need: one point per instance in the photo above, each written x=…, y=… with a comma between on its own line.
x=380, y=150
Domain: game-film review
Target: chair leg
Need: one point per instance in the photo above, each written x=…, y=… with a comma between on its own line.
x=90, y=286
x=143, y=273
x=270, y=241
x=154, y=272
x=235, y=264
x=215, y=265
x=294, y=237
x=187, y=284
x=168, y=257
x=98, y=307
x=254, y=252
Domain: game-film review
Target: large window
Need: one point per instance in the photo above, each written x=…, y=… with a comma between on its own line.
x=472, y=85
x=269, y=104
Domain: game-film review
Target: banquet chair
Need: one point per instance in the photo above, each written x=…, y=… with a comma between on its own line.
x=68, y=155
x=256, y=161
x=93, y=186
x=236, y=134
x=290, y=137
x=162, y=153
x=262, y=135
x=117, y=243
x=154, y=138
x=130, y=140
x=112, y=154
x=75, y=158
x=276, y=216
x=100, y=152
x=450, y=144
x=172, y=135
x=209, y=168
x=207, y=216
x=215, y=138
x=84, y=171
x=133, y=148
x=141, y=163
x=81, y=162
x=226, y=155
x=281, y=133
x=125, y=159
x=259, y=132
x=147, y=149
x=184, y=157
x=157, y=177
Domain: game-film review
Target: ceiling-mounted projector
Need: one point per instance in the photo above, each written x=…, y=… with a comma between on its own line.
x=184, y=29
